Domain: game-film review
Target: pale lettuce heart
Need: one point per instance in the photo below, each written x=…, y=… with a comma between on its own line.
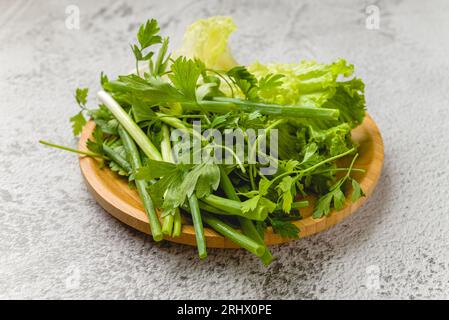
x=207, y=40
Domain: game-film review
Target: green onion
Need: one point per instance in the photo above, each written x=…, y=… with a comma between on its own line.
x=229, y=232
x=225, y=105
x=166, y=145
x=198, y=226
x=131, y=127
x=134, y=157
x=211, y=209
x=231, y=206
x=177, y=224
x=247, y=225
x=167, y=225
x=193, y=201
x=114, y=156
x=300, y=204
x=133, y=130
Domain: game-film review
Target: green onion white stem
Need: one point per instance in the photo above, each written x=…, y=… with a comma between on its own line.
x=131, y=127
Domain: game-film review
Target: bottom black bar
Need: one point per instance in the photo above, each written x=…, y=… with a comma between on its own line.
x=214, y=309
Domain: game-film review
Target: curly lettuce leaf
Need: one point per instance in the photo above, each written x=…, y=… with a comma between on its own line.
x=307, y=82
x=349, y=98
x=335, y=140
x=317, y=85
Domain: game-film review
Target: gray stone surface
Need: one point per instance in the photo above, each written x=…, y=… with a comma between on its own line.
x=56, y=242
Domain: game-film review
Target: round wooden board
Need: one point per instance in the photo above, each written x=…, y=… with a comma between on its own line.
x=114, y=195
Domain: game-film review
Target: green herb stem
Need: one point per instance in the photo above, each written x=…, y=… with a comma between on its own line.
x=177, y=224
x=231, y=206
x=198, y=226
x=167, y=225
x=117, y=158
x=312, y=167
x=150, y=210
x=340, y=169
x=206, y=207
x=172, y=121
x=131, y=127
x=300, y=204
x=247, y=225
x=166, y=152
x=134, y=158
x=84, y=153
x=178, y=124
x=193, y=201
x=232, y=234
x=224, y=105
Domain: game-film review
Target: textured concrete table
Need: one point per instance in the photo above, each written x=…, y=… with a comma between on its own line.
x=56, y=242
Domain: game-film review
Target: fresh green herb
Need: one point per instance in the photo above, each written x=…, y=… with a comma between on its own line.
x=313, y=107
x=78, y=121
x=81, y=97
x=336, y=195
x=147, y=36
x=285, y=228
x=358, y=192
x=134, y=158
x=96, y=145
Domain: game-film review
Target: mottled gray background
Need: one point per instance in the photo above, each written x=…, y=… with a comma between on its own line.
x=52, y=233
